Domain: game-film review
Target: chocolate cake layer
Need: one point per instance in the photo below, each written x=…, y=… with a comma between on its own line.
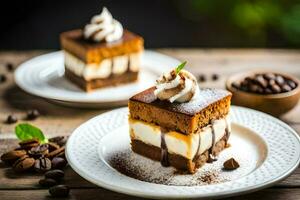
x=179, y=162
x=187, y=117
x=113, y=80
x=92, y=52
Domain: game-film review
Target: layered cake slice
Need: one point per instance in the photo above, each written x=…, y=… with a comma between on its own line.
x=178, y=124
x=102, y=54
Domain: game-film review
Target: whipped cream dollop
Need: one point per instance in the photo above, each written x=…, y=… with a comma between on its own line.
x=103, y=27
x=176, y=87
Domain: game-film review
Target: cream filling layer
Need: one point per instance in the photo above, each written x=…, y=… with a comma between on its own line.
x=116, y=65
x=178, y=143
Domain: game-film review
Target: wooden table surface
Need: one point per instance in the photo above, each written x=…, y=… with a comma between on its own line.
x=58, y=120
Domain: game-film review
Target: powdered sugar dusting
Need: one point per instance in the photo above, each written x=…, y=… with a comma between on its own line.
x=144, y=169
x=204, y=98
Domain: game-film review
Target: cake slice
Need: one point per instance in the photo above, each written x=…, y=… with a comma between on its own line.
x=102, y=54
x=184, y=135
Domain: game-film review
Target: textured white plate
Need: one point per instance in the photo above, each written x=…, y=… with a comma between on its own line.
x=43, y=76
x=272, y=149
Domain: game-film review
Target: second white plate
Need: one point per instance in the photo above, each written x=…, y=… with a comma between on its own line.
x=43, y=76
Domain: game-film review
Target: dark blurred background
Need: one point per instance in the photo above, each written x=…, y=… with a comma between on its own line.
x=36, y=24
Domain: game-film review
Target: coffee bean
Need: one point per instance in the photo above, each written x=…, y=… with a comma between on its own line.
x=279, y=80
x=28, y=144
x=47, y=182
x=11, y=119
x=59, y=191
x=9, y=67
x=268, y=91
x=261, y=81
x=23, y=164
x=56, y=152
x=38, y=151
x=231, y=164
x=272, y=82
x=215, y=77
x=42, y=164
x=253, y=88
x=55, y=174
x=247, y=81
x=275, y=88
x=292, y=84
x=60, y=140
x=58, y=163
x=260, y=90
x=11, y=156
x=52, y=146
x=286, y=88
x=269, y=76
x=2, y=78
x=32, y=114
x=202, y=78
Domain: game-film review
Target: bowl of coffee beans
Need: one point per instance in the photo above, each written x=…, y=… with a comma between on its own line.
x=270, y=92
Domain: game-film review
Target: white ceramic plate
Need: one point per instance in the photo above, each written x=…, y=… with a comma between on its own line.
x=43, y=76
x=268, y=151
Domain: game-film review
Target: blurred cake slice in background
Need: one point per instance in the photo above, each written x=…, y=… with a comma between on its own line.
x=102, y=54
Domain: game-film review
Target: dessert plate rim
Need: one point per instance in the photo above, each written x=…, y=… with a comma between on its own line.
x=56, y=95
x=235, y=187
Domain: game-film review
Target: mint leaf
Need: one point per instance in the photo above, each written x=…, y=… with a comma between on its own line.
x=26, y=131
x=180, y=67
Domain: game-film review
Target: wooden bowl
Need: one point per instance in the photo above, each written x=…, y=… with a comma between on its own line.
x=274, y=104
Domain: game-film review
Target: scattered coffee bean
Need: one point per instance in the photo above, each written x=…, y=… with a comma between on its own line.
x=2, y=78
x=42, y=164
x=23, y=164
x=11, y=156
x=11, y=119
x=38, y=151
x=57, y=152
x=59, y=191
x=58, y=163
x=28, y=144
x=47, y=182
x=231, y=164
x=55, y=174
x=60, y=140
x=202, y=78
x=9, y=67
x=52, y=146
x=32, y=114
x=215, y=77
x=269, y=83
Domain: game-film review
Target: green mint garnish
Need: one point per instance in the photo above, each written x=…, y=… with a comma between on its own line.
x=26, y=131
x=180, y=67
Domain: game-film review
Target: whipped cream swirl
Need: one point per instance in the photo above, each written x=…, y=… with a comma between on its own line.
x=173, y=87
x=103, y=27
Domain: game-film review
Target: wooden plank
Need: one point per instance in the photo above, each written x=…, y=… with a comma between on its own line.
x=86, y=194
x=99, y=193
